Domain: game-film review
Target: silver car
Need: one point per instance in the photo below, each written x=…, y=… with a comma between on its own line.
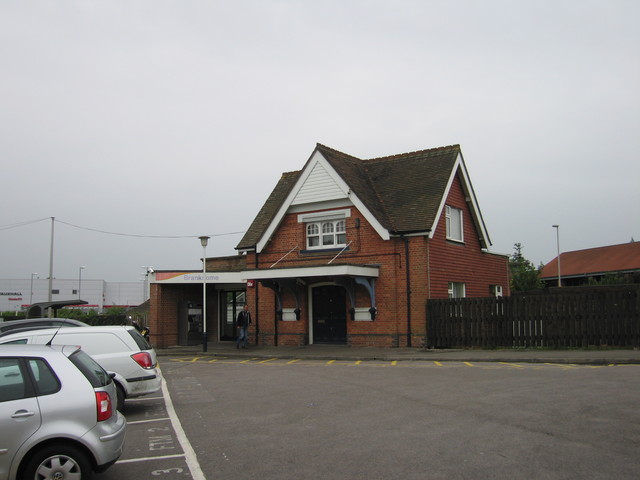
x=57, y=414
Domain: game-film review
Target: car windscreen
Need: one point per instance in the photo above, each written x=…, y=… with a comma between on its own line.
x=96, y=375
x=140, y=340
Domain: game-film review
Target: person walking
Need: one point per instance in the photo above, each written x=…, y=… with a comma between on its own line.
x=242, y=322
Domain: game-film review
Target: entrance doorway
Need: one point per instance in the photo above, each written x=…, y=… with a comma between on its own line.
x=231, y=304
x=329, y=314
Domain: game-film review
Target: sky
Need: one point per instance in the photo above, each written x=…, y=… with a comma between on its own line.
x=141, y=125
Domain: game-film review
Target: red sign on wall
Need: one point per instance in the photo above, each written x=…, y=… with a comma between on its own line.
x=250, y=283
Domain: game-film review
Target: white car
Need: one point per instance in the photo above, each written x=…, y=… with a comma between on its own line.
x=119, y=349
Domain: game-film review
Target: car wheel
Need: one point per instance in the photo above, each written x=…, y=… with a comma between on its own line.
x=63, y=462
x=121, y=396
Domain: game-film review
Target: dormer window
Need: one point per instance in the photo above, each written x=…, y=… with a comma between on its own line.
x=325, y=229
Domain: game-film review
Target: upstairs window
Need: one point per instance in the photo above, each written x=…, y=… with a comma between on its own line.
x=457, y=290
x=328, y=234
x=326, y=229
x=454, y=224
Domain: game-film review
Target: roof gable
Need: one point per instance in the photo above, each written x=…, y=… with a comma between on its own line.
x=400, y=194
x=319, y=183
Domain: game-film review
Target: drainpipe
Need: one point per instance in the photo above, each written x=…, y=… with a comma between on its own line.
x=255, y=309
x=408, y=278
x=426, y=315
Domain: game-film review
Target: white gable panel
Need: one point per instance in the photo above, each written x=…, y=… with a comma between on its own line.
x=319, y=186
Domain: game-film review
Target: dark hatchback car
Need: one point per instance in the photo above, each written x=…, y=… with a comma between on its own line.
x=13, y=326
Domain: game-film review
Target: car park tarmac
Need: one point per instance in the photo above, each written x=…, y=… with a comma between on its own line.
x=287, y=418
x=262, y=415
x=156, y=446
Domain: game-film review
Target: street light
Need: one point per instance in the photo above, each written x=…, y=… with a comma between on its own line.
x=557, y=227
x=203, y=241
x=31, y=295
x=80, y=281
x=147, y=270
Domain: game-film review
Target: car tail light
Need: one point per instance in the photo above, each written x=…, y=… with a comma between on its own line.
x=103, y=404
x=143, y=359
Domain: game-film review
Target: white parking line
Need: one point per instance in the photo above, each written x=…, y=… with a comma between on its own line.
x=136, y=422
x=142, y=399
x=189, y=454
x=145, y=459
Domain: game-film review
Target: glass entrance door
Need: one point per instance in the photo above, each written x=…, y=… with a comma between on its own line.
x=232, y=302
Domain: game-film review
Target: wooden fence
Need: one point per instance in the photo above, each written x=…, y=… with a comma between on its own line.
x=559, y=317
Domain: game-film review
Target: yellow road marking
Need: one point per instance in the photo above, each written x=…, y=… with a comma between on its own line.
x=566, y=366
x=427, y=363
x=511, y=364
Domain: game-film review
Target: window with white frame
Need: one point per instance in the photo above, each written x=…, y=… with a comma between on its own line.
x=454, y=224
x=326, y=234
x=456, y=290
x=495, y=290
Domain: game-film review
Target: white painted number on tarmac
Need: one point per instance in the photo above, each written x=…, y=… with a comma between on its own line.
x=166, y=471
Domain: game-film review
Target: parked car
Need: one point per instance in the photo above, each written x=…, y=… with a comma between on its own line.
x=35, y=323
x=56, y=414
x=119, y=348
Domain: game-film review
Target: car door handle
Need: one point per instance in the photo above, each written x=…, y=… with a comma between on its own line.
x=23, y=414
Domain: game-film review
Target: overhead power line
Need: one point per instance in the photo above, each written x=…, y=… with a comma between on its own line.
x=105, y=232
x=22, y=224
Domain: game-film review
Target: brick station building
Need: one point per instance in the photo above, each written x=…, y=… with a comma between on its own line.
x=344, y=251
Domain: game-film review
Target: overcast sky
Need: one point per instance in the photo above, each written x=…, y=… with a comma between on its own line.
x=155, y=119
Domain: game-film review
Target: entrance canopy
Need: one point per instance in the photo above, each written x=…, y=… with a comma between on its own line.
x=321, y=271
x=348, y=276
x=195, y=277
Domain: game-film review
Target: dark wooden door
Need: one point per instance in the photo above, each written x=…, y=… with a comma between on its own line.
x=329, y=314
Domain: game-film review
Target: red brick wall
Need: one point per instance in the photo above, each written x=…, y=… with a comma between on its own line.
x=389, y=327
x=433, y=263
x=163, y=315
x=464, y=262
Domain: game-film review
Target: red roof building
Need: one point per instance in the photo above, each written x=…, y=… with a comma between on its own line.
x=577, y=267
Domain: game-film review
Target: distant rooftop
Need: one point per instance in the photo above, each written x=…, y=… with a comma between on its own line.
x=600, y=260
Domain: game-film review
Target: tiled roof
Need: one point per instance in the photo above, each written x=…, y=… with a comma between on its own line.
x=614, y=258
x=268, y=210
x=402, y=191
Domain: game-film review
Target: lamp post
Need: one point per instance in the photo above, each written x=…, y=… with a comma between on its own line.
x=557, y=227
x=80, y=281
x=31, y=294
x=145, y=292
x=50, y=294
x=203, y=241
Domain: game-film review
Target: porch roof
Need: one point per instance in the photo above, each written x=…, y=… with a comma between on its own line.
x=369, y=271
